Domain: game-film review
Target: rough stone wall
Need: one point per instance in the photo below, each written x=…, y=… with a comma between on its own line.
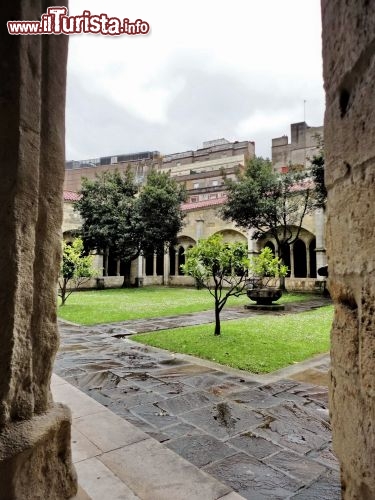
x=32, y=136
x=349, y=76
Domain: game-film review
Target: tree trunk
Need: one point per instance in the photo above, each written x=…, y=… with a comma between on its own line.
x=63, y=292
x=281, y=256
x=217, y=320
x=126, y=283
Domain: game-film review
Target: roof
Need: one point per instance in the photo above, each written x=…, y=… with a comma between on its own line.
x=71, y=196
x=204, y=204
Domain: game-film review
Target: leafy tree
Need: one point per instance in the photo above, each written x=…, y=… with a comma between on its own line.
x=159, y=210
x=116, y=218
x=220, y=267
x=265, y=267
x=270, y=202
x=317, y=171
x=76, y=269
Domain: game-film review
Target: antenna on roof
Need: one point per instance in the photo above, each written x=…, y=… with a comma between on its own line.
x=304, y=110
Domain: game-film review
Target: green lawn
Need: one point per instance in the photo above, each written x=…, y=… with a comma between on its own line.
x=104, y=306
x=259, y=344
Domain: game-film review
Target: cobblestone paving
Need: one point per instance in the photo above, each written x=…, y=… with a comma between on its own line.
x=266, y=441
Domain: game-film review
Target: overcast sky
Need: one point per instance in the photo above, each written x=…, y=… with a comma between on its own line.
x=238, y=69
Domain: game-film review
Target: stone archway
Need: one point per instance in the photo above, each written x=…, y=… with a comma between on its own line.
x=231, y=235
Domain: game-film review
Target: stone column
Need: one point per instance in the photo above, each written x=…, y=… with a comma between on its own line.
x=139, y=277
x=166, y=269
x=98, y=263
x=320, y=250
x=35, y=455
x=154, y=264
x=349, y=131
x=291, y=247
x=176, y=259
x=252, y=245
x=308, y=260
x=118, y=267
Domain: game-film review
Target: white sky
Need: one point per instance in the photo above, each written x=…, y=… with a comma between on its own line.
x=208, y=69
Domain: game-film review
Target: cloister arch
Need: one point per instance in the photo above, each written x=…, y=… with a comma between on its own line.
x=231, y=235
x=299, y=256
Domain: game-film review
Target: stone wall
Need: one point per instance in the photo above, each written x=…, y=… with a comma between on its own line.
x=35, y=457
x=349, y=76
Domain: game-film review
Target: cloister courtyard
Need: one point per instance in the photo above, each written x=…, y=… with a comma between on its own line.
x=241, y=416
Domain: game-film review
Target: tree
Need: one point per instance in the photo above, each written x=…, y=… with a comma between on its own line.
x=265, y=267
x=220, y=267
x=116, y=218
x=270, y=202
x=104, y=203
x=76, y=269
x=317, y=171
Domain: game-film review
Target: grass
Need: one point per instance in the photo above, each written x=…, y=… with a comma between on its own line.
x=105, y=306
x=259, y=344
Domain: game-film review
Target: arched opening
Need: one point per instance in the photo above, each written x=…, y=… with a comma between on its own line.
x=312, y=253
x=285, y=256
x=270, y=245
x=299, y=257
x=230, y=235
x=181, y=260
x=160, y=264
x=149, y=267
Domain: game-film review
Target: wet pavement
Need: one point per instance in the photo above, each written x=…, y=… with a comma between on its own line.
x=265, y=438
x=125, y=328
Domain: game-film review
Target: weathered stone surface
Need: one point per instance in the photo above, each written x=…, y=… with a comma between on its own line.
x=224, y=419
x=326, y=487
x=349, y=75
x=35, y=457
x=186, y=402
x=32, y=142
x=254, y=398
x=300, y=468
x=220, y=426
x=200, y=450
x=252, y=479
x=154, y=415
x=254, y=445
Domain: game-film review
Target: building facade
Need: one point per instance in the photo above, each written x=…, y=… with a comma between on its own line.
x=203, y=173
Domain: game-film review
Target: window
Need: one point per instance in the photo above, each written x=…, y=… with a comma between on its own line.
x=196, y=185
x=215, y=183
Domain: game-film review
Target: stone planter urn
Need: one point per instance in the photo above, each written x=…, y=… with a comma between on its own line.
x=264, y=296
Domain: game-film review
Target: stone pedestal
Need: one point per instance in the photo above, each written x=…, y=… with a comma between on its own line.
x=35, y=457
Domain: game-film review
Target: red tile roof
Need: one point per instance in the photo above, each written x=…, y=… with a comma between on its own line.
x=204, y=204
x=71, y=196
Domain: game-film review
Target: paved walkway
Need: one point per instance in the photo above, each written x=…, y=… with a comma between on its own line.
x=124, y=328
x=264, y=437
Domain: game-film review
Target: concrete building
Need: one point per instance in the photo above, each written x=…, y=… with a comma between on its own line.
x=305, y=142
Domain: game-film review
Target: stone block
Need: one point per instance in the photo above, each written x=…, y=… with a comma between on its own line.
x=35, y=457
